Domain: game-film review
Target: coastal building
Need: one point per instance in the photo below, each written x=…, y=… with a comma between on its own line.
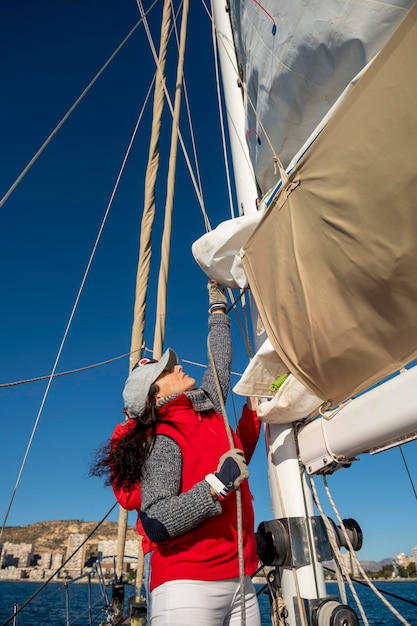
x=11, y=573
x=35, y=573
x=15, y=554
x=351, y=564
x=42, y=560
x=76, y=563
x=56, y=561
x=400, y=560
x=108, y=548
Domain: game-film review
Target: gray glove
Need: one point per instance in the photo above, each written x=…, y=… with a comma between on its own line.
x=231, y=471
x=217, y=296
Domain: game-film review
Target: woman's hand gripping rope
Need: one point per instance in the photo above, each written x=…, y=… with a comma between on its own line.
x=217, y=297
x=231, y=471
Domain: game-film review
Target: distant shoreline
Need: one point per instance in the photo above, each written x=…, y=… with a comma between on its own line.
x=257, y=580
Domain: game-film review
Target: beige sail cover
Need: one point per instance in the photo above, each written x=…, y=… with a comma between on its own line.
x=333, y=266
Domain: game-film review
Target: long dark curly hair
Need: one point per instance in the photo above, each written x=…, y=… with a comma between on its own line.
x=121, y=462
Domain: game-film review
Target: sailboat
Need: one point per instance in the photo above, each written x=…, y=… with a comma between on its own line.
x=317, y=250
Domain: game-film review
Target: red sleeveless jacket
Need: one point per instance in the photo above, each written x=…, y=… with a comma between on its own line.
x=210, y=550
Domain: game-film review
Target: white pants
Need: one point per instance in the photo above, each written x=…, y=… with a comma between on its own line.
x=204, y=603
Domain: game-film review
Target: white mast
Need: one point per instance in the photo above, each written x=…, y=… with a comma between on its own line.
x=242, y=167
x=291, y=496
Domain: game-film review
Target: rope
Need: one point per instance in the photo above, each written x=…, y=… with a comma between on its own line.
x=357, y=562
x=191, y=129
x=336, y=552
x=277, y=611
x=238, y=492
x=352, y=553
x=145, y=246
x=181, y=140
x=166, y=236
x=335, y=459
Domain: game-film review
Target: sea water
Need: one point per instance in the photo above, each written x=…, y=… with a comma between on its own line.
x=49, y=606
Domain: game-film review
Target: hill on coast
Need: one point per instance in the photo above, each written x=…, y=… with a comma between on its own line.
x=374, y=566
x=53, y=536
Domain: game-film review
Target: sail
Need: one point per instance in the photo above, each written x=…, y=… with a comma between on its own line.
x=295, y=60
x=338, y=301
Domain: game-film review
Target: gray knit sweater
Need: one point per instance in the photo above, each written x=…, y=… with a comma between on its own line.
x=165, y=512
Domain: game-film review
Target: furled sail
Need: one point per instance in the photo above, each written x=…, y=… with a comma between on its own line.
x=338, y=300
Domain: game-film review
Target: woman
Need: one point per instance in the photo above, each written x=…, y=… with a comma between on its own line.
x=180, y=452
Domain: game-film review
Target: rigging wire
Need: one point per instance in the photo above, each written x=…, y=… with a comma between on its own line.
x=189, y=117
x=180, y=137
x=243, y=87
x=408, y=471
x=71, y=109
x=54, y=374
x=276, y=159
x=335, y=550
x=244, y=335
x=243, y=326
x=383, y=591
x=71, y=317
x=66, y=373
x=99, y=364
x=220, y=109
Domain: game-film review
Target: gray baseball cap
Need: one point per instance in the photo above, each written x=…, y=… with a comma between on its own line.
x=140, y=379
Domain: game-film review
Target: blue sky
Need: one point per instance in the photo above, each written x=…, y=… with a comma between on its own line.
x=49, y=53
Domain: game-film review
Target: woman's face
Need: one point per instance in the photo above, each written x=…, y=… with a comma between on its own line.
x=173, y=381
